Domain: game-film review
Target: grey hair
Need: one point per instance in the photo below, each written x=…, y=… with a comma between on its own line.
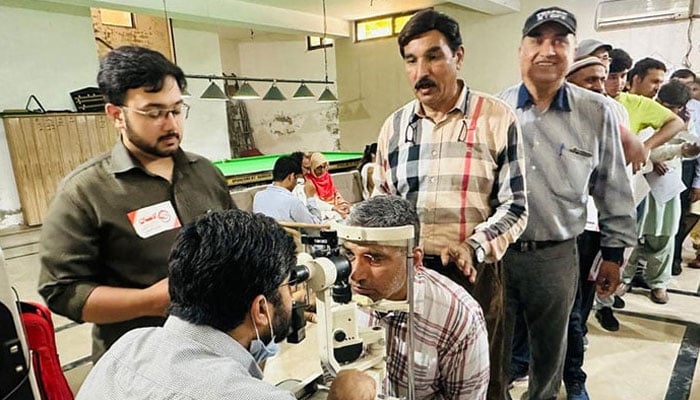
x=384, y=212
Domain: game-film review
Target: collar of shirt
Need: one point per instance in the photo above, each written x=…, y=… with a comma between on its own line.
x=216, y=341
x=123, y=161
x=459, y=106
x=279, y=189
x=559, y=102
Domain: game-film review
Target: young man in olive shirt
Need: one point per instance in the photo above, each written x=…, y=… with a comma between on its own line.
x=106, y=239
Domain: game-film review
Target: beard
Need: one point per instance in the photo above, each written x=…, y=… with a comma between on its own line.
x=151, y=148
x=280, y=324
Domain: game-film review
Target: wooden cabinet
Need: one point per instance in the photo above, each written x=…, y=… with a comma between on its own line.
x=46, y=147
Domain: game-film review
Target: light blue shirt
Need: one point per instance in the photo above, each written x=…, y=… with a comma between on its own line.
x=282, y=205
x=571, y=149
x=179, y=361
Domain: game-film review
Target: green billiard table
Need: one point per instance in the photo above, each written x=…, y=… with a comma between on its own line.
x=258, y=169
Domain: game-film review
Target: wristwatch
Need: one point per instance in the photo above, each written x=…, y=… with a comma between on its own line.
x=479, y=253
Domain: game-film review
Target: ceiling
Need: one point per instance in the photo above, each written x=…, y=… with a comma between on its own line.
x=236, y=18
x=360, y=9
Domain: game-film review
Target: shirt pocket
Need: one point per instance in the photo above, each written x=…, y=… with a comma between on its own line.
x=574, y=174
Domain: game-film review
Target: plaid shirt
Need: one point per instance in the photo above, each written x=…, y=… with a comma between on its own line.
x=451, y=344
x=463, y=174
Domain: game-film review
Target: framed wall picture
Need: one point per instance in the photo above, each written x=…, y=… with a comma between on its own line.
x=113, y=28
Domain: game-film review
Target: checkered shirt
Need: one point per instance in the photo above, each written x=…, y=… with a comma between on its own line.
x=463, y=174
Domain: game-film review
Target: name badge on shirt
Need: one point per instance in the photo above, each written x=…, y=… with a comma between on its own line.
x=154, y=219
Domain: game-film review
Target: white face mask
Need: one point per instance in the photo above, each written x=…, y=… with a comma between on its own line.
x=258, y=349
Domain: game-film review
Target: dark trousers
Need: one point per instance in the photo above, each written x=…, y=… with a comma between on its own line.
x=520, y=358
x=688, y=220
x=588, y=247
x=488, y=291
x=542, y=283
x=588, y=244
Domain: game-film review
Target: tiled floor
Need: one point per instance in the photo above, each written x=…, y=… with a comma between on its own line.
x=652, y=357
x=644, y=360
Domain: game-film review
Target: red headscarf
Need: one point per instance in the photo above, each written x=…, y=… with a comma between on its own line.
x=325, y=188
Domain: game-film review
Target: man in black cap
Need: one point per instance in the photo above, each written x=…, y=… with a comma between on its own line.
x=576, y=139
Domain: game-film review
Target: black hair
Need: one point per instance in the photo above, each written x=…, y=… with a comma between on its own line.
x=621, y=61
x=428, y=20
x=131, y=67
x=367, y=155
x=298, y=155
x=675, y=93
x=222, y=261
x=641, y=68
x=384, y=212
x=284, y=166
x=683, y=73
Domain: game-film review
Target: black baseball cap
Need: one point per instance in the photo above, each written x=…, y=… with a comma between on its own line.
x=550, y=14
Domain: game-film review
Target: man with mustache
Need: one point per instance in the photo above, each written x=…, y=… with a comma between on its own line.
x=105, y=241
x=456, y=155
x=573, y=147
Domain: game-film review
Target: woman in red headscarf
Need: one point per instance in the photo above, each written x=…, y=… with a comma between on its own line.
x=319, y=183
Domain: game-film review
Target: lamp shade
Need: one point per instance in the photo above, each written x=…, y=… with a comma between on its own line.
x=246, y=92
x=213, y=92
x=303, y=92
x=327, y=96
x=274, y=94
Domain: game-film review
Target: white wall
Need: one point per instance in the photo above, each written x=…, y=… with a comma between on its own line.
x=206, y=131
x=45, y=54
x=285, y=126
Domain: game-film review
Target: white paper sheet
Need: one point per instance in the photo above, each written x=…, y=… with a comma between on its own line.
x=667, y=186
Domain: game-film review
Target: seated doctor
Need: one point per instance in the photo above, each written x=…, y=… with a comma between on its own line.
x=451, y=344
x=230, y=305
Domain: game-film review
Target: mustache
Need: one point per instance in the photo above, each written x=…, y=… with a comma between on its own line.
x=424, y=83
x=169, y=135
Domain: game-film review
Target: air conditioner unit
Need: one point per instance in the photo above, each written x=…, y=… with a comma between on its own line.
x=620, y=13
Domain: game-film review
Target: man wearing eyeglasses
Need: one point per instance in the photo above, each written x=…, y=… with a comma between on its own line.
x=107, y=235
x=457, y=156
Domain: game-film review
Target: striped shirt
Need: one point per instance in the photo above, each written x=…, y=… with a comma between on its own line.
x=451, y=344
x=573, y=147
x=463, y=174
